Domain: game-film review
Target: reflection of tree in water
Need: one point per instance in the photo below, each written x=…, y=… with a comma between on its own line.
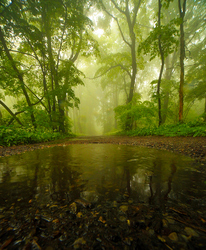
x=23, y=189
x=126, y=181
x=66, y=182
x=160, y=195
x=116, y=181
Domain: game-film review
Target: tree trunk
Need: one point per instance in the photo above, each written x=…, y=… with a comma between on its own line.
x=19, y=76
x=10, y=112
x=134, y=59
x=162, y=66
x=168, y=76
x=205, y=110
x=54, y=75
x=182, y=56
x=129, y=123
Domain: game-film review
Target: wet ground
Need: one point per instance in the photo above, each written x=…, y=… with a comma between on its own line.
x=62, y=221
x=194, y=147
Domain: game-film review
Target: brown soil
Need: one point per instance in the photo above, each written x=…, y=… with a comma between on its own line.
x=194, y=147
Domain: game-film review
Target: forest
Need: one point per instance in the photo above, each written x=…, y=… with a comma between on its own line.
x=92, y=67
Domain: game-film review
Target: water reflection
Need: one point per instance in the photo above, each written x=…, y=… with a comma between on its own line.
x=99, y=173
x=160, y=190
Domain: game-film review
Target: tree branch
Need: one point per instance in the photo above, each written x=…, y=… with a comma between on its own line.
x=112, y=67
x=61, y=42
x=10, y=112
x=117, y=7
x=136, y=8
x=74, y=58
x=39, y=100
x=19, y=112
x=122, y=35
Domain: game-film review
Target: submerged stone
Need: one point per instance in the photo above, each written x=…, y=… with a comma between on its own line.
x=173, y=236
x=190, y=232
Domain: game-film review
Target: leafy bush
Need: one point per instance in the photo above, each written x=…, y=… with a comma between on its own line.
x=196, y=128
x=135, y=114
x=16, y=136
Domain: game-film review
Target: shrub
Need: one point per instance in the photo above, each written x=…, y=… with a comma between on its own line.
x=196, y=128
x=17, y=136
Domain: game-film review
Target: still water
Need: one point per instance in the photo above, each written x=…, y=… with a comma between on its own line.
x=101, y=172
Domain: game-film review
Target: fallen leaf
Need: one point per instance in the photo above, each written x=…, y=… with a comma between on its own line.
x=6, y=243
x=101, y=219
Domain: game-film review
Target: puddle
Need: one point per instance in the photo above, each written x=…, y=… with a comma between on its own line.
x=101, y=197
x=102, y=172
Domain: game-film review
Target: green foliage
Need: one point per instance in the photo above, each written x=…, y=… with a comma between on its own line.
x=169, y=40
x=17, y=136
x=196, y=77
x=36, y=36
x=194, y=129
x=135, y=114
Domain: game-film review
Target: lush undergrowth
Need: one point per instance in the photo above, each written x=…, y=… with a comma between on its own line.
x=10, y=136
x=182, y=129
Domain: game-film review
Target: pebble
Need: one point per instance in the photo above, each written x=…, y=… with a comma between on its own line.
x=190, y=232
x=173, y=236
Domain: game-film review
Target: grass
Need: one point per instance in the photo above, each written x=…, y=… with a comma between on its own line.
x=10, y=136
x=182, y=129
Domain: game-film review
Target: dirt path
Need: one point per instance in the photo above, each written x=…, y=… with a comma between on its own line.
x=194, y=147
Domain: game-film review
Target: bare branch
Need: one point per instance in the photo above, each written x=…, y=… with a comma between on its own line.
x=122, y=35
x=74, y=58
x=136, y=8
x=61, y=42
x=10, y=112
x=39, y=100
x=112, y=67
x=117, y=7
x=21, y=52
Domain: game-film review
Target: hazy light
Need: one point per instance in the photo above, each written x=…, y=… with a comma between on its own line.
x=99, y=32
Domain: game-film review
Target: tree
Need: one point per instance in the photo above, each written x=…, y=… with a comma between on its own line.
x=161, y=42
x=182, y=10
x=196, y=77
x=18, y=74
x=49, y=38
x=162, y=63
x=126, y=11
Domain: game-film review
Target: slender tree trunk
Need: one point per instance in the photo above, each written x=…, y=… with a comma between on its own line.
x=10, y=112
x=54, y=76
x=182, y=56
x=115, y=103
x=205, y=110
x=134, y=59
x=46, y=26
x=134, y=71
x=168, y=76
x=129, y=123
x=19, y=76
x=162, y=65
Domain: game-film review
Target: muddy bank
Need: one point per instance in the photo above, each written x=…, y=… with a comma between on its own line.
x=194, y=147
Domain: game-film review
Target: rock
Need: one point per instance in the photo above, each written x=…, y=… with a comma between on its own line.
x=73, y=207
x=164, y=223
x=151, y=232
x=190, y=232
x=123, y=208
x=78, y=243
x=173, y=236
